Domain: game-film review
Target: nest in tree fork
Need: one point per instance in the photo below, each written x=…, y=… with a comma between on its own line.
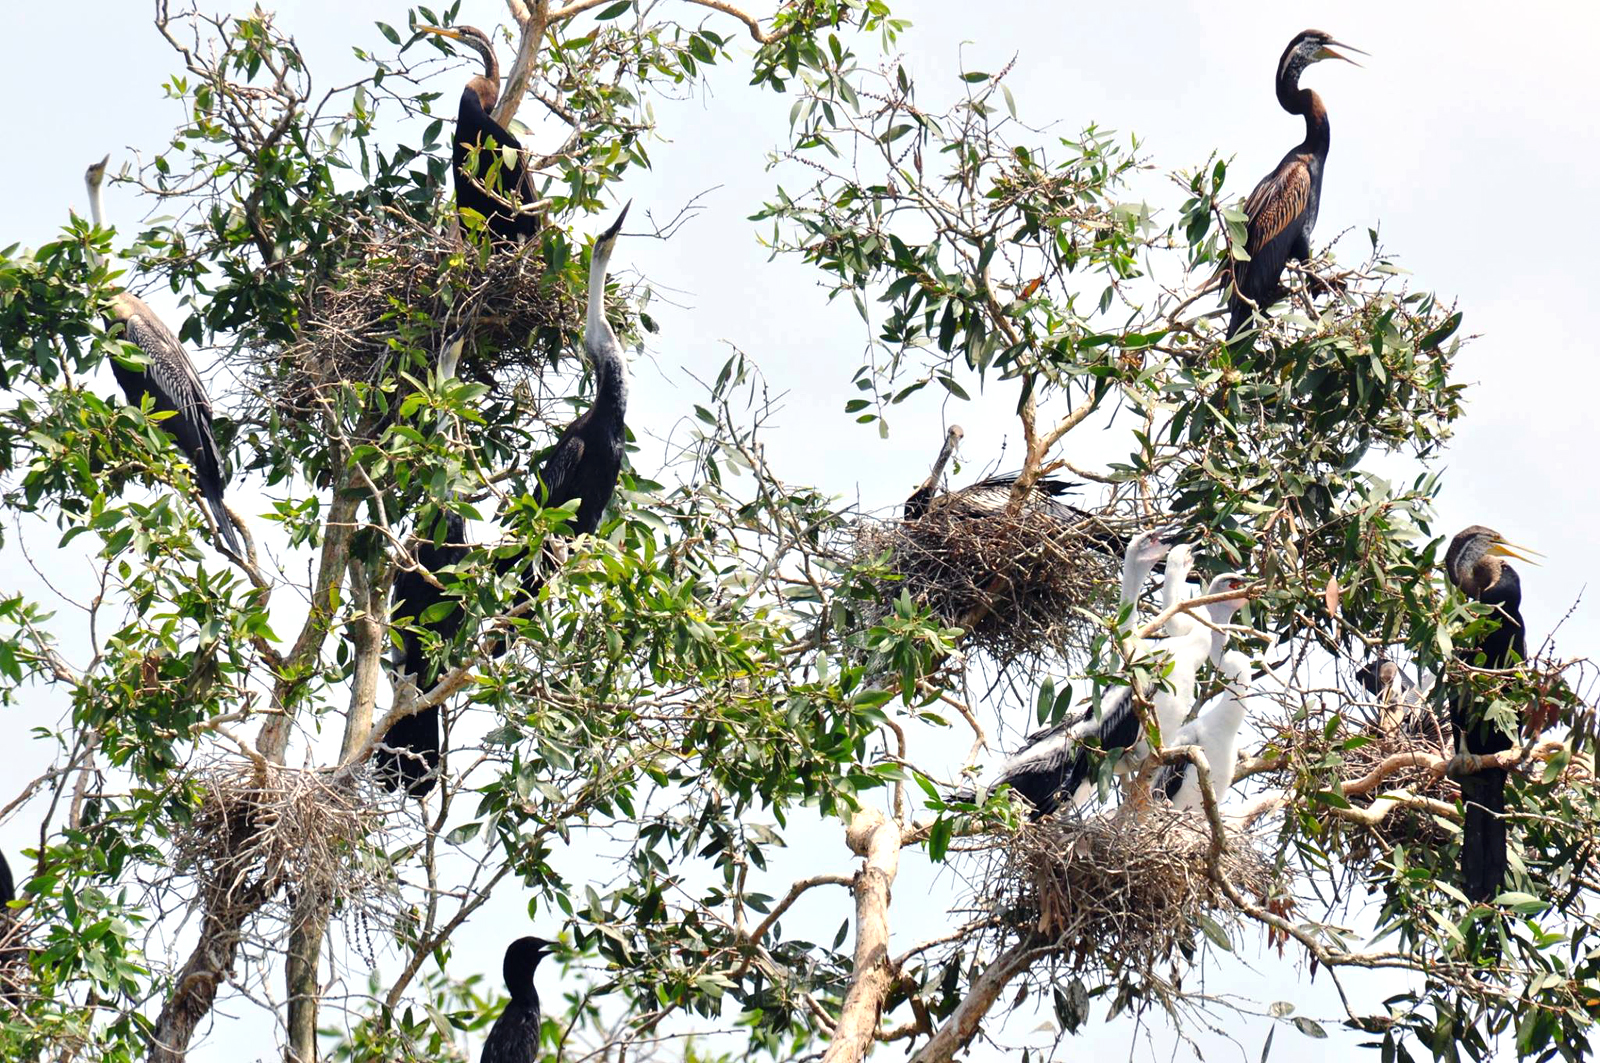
x=261, y=827
x=1115, y=895
x=1020, y=580
x=400, y=298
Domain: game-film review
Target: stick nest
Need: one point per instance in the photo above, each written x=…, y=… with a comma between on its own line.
x=1017, y=580
x=408, y=290
x=262, y=827
x=1118, y=894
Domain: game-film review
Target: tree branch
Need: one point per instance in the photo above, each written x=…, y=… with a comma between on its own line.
x=877, y=841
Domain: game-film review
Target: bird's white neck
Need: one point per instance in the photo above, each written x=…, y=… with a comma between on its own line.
x=97, y=213
x=600, y=344
x=1134, y=573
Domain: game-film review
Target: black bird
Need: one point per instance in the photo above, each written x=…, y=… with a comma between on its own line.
x=171, y=382
x=1474, y=562
x=587, y=459
x=991, y=496
x=498, y=183
x=514, y=1038
x=12, y=959
x=1283, y=207
x=412, y=758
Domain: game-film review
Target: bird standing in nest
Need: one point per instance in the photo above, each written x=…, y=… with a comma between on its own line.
x=486, y=160
x=1475, y=562
x=1283, y=207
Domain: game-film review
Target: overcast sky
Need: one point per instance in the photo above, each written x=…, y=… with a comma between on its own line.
x=1467, y=140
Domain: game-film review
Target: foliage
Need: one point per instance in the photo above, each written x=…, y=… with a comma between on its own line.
x=716, y=671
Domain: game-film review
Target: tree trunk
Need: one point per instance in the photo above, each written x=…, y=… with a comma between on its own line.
x=969, y=1014
x=877, y=841
x=309, y=923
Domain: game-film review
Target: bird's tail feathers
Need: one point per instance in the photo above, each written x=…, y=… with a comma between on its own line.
x=219, y=512
x=1483, y=835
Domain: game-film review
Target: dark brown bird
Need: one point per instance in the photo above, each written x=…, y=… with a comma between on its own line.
x=497, y=182
x=922, y=497
x=168, y=377
x=1283, y=207
x=1475, y=563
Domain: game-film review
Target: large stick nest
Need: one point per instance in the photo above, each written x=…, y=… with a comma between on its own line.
x=1116, y=895
x=408, y=290
x=261, y=827
x=1021, y=580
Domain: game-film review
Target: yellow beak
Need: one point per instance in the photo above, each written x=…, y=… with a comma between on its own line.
x=441, y=31
x=1328, y=53
x=1501, y=548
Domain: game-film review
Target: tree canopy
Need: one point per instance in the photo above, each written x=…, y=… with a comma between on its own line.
x=735, y=661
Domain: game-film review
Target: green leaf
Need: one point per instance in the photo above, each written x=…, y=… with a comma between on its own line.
x=1309, y=1027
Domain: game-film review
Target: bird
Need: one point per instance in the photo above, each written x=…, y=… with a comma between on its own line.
x=917, y=505
x=13, y=959
x=1119, y=726
x=991, y=497
x=1282, y=209
x=1216, y=732
x=1057, y=762
x=585, y=462
x=171, y=382
x=1404, y=706
x=514, y=1037
x=485, y=158
x=588, y=457
x=409, y=754
x=1475, y=563
x=8, y=886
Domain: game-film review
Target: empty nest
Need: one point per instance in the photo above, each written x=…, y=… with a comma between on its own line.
x=405, y=294
x=1020, y=581
x=261, y=827
x=1116, y=895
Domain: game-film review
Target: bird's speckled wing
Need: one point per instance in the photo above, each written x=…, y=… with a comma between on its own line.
x=170, y=372
x=1277, y=209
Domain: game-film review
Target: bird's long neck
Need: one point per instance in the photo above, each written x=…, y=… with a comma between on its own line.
x=96, y=212
x=1307, y=103
x=1134, y=572
x=600, y=343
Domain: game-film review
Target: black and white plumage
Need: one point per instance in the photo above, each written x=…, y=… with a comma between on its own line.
x=171, y=382
x=1052, y=764
x=409, y=754
x=497, y=185
x=587, y=459
x=1403, y=705
x=1216, y=732
x=514, y=1038
x=1475, y=563
x=1283, y=207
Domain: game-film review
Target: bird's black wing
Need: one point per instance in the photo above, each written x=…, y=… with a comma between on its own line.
x=560, y=472
x=475, y=127
x=1277, y=209
x=418, y=604
x=8, y=886
x=1117, y=728
x=173, y=384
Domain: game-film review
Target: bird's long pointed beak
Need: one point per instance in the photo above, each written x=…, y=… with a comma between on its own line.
x=1171, y=534
x=1502, y=548
x=1328, y=53
x=616, y=226
x=441, y=32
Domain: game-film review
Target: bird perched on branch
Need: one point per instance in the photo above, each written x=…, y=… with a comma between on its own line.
x=1475, y=562
x=1283, y=207
x=587, y=459
x=411, y=756
x=168, y=377
x=514, y=1038
x=1216, y=732
x=485, y=158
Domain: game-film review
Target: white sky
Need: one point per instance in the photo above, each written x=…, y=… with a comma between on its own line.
x=1467, y=139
